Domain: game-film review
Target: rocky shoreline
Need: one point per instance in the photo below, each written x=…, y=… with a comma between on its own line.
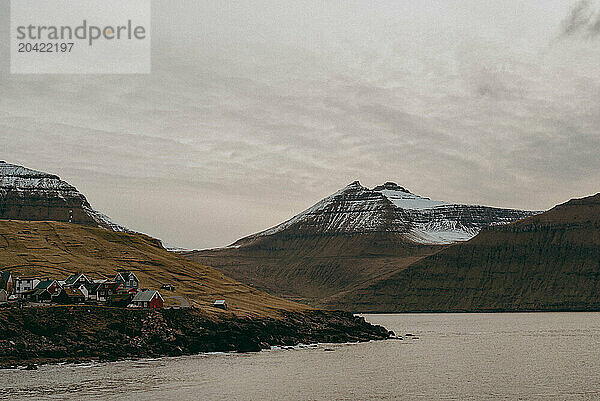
x=39, y=335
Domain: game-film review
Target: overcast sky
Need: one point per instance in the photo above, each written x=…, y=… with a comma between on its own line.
x=255, y=110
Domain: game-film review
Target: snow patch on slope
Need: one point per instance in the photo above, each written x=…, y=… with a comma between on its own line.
x=406, y=200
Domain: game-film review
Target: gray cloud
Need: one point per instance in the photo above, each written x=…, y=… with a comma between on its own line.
x=254, y=112
x=583, y=20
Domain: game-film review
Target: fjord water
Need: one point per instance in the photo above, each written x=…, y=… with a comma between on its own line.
x=456, y=356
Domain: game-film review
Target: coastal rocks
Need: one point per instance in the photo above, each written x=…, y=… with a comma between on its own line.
x=56, y=334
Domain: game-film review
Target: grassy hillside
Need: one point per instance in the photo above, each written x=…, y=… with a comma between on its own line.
x=545, y=262
x=56, y=250
x=311, y=268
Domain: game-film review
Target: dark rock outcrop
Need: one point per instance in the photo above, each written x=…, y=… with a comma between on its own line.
x=54, y=334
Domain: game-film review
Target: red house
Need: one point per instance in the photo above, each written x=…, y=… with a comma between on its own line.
x=148, y=299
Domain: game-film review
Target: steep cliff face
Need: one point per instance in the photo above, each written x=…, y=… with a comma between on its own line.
x=348, y=239
x=27, y=194
x=546, y=262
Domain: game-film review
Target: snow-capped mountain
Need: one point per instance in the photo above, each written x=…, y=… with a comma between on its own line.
x=27, y=194
x=391, y=208
x=352, y=238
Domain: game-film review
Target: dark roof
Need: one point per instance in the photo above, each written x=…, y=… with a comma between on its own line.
x=145, y=296
x=34, y=292
x=44, y=284
x=111, y=285
x=118, y=296
x=92, y=287
x=73, y=278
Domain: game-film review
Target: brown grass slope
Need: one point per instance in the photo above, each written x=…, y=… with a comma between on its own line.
x=546, y=262
x=57, y=249
x=310, y=268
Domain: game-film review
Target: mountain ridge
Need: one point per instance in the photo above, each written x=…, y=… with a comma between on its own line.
x=31, y=195
x=392, y=208
x=351, y=237
x=547, y=262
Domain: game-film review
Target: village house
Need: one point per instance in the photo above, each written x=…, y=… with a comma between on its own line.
x=39, y=295
x=77, y=288
x=129, y=281
x=52, y=286
x=6, y=281
x=24, y=284
x=76, y=280
x=44, y=291
x=148, y=299
x=92, y=291
x=106, y=289
x=70, y=296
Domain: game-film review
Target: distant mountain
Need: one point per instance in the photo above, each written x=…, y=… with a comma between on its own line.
x=390, y=208
x=548, y=262
x=32, y=195
x=350, y=238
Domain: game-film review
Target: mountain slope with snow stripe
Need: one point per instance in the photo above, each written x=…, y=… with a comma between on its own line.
x=27, y=194
x=391, y=208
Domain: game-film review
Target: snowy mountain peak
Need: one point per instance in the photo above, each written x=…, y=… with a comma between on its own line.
x=391, y=186
x=27, y=194
x=391, y=208
x=353, y=185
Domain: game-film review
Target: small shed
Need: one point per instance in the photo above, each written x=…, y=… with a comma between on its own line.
x=148, y=299
x=221, y=304
x=3, y=296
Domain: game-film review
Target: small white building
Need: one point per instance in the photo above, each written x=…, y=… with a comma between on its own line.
x=221, y=304
x=24, y=284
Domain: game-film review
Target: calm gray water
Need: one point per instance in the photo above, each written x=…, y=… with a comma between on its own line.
x=546, y=356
